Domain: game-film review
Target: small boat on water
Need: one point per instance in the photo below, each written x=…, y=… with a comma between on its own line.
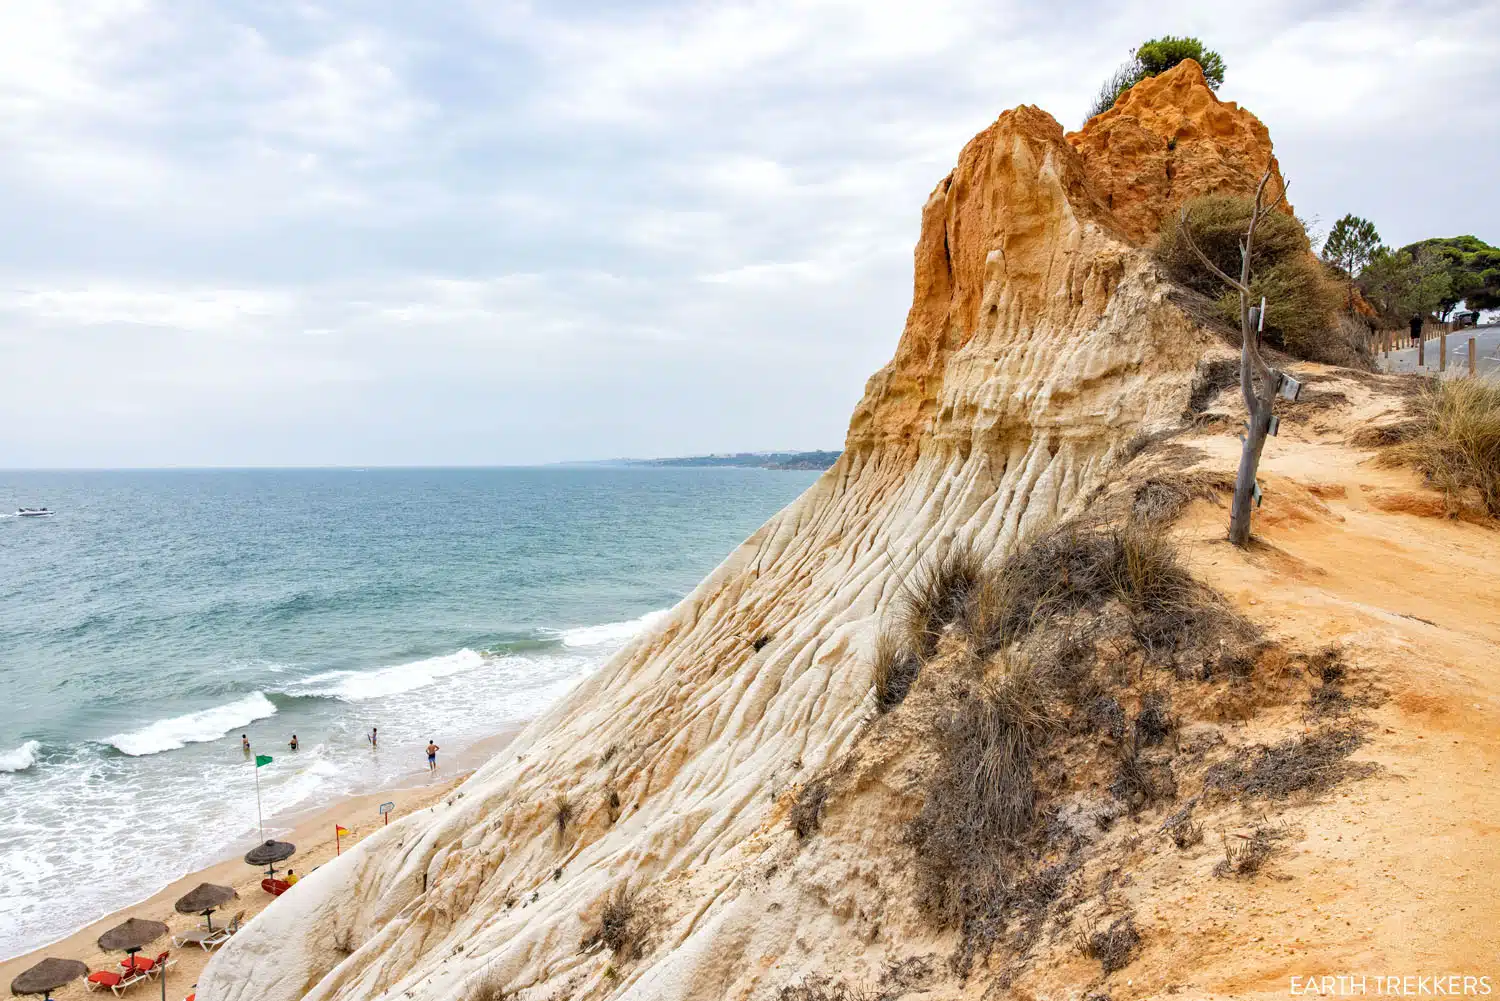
x=34, y=512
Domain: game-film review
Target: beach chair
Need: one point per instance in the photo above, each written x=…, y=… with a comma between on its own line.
x=208, y=939
x=160, y=964
x=115, y=982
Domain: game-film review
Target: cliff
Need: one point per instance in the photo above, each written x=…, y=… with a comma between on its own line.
x=1040, y=345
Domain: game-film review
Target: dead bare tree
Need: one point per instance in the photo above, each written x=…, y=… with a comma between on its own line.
x=1259, y=383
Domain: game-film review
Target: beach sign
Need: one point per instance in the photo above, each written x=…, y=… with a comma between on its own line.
x=385, y=811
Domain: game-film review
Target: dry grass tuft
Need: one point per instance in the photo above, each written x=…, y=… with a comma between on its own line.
x=562, y=812
x=489, y=987
x=896, y=668
x=938, y=597
x=1114, y=947
x=807, y=811
x=1247, y=855
x=1187, y=834
x=1455, y=440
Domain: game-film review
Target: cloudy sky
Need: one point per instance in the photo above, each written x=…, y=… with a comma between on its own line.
x=365, y=232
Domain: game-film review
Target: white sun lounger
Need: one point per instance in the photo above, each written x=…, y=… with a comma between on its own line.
x=208, y=939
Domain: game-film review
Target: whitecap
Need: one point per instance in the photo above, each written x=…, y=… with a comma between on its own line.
x=358, y=686
x=611, y=632
x=194, y=728
x=21, y=758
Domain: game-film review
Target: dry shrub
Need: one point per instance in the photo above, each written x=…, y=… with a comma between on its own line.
x=980, y=800
x=1140, y=782
x=1245, y=856
x=1313, y=763
x=1155, y=721
x=622, y=927
x=1108, y=717
x=807, y=811
x=489, y=987
x=896, y=668
x=1114, y=947
x=1455, y=440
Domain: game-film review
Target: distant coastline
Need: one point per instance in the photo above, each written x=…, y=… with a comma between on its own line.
x=744, y=460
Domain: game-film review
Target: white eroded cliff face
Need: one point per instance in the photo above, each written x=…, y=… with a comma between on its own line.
x=1039, y=341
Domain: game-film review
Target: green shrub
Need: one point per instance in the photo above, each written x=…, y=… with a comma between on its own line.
x=1302, y=300
x=1153, y=57
x=1161, y=54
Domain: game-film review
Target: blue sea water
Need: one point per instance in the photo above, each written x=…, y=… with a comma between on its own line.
x=160, y=615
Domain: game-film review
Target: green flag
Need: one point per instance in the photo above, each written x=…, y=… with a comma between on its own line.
x=262, y=759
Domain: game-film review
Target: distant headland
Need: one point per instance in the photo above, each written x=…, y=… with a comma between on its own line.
x=747, y=460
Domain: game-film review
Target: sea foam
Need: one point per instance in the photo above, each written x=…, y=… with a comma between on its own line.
x=194, y=728
x=358, y=686
x=611, y=632
x=21, y=758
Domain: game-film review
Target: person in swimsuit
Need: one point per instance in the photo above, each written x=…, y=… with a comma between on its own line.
x=293, y=742
x=245, y=743
x=374, y=736
x=432, y=750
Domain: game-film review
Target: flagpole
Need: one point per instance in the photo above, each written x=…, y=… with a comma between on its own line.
x=259, y=820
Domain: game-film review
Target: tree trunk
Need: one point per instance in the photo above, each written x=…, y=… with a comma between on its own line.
x=1244, y=480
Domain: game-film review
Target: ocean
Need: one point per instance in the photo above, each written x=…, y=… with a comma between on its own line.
x=159, y=615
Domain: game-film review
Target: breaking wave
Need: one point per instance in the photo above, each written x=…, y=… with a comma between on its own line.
x=194, y=728
x=21, y=758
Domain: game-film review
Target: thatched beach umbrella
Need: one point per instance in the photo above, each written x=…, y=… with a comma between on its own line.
x=269, y=854
x=132, y=936
x=47, y=976
x=204, y=899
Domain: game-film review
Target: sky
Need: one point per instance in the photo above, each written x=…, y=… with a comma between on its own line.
x=383, y=233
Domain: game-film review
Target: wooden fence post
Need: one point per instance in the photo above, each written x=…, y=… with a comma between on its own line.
x=1472, y=366
x=1422, y=347
x=1443, y=349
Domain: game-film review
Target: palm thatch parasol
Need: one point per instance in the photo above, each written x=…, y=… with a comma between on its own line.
x=269, y=854
x=204, y=899
x=132, y=936
x=47, y=976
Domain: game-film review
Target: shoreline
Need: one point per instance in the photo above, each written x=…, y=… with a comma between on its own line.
x=310, y=829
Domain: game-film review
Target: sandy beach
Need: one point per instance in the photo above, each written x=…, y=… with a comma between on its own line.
x=312, y=831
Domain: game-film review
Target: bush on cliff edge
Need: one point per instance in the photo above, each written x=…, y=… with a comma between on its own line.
x=1302, y=300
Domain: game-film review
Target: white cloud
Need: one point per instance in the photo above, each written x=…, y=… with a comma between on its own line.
x=283, y=231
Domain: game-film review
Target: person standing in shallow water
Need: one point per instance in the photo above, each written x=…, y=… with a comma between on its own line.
x=245, y=743
x=293, y=742
x=432, y=750
x=374, y=737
